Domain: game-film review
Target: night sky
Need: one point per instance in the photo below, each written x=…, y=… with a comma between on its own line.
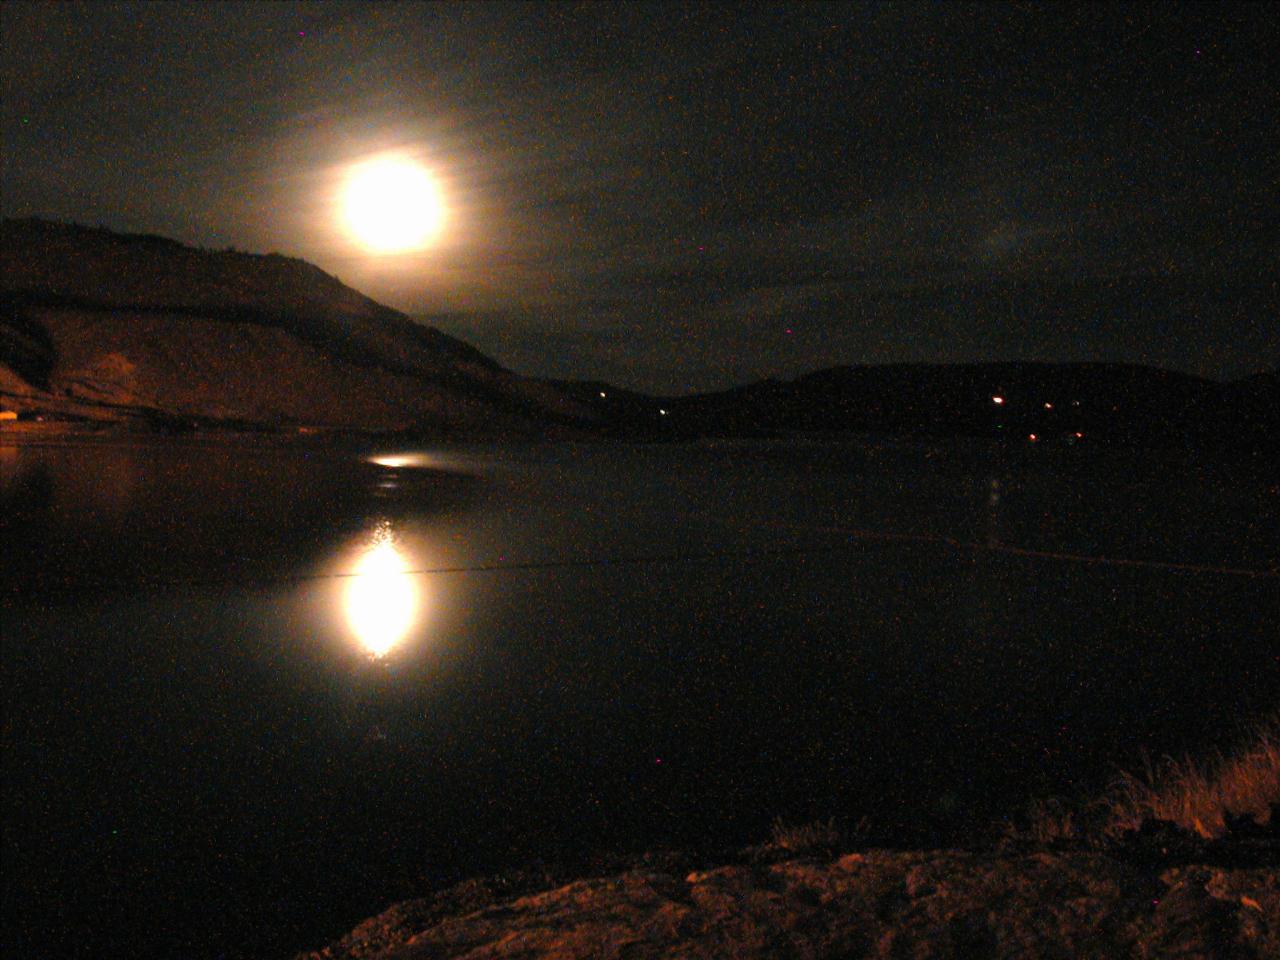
x=685, y=197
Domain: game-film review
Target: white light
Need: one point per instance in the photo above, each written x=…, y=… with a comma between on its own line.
x=602, y=394
x=397, y=460
x=663, y=412
x=382, y=599
x=1048, y=406
x=392, y=205
x=997, y=399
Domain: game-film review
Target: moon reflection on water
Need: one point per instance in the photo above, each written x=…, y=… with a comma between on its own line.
x=382, y=599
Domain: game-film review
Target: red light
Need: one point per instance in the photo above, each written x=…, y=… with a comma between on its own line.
x=1031, y=437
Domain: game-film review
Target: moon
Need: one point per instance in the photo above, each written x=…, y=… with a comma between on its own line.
x=392, y=204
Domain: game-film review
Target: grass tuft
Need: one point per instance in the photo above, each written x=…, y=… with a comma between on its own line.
x=1200, y=796
x=1048, y=823
x=816, y=837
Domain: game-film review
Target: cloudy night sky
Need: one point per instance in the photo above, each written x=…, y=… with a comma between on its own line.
x=679, y=198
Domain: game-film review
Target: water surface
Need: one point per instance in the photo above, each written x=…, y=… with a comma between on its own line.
x=254, y=694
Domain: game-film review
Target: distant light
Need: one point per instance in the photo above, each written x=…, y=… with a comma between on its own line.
x=1075, y=403
x=1079, y=434
x=663, y=412
x=603, y=394
x=997, y=399
x=1032, y=437
x=395, y=461
x=1048, y=406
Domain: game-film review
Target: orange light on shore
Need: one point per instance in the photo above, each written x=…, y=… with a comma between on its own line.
x=382, y=598
x=396, y=461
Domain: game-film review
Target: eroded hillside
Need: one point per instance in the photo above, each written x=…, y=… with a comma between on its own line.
x=108, y=327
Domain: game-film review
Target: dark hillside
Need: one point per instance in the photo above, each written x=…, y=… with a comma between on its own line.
x=1019, y=402
x=107, y=326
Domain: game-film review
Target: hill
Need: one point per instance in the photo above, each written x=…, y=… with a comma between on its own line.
x=138, y=329
x=1018, y=402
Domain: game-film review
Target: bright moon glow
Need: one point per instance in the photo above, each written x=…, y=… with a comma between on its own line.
x=382, y=599
x=392, y=205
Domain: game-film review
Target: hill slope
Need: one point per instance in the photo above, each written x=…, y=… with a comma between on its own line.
x=1019, y=402
x=103, y=326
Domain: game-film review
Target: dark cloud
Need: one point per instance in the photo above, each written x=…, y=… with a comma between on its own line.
x=658, y=193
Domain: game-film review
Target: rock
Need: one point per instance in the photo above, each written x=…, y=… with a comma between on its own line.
x=877, y=904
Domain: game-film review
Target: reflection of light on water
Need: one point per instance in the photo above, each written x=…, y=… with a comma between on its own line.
x=382, y=598
x=8, y=464
x=395, y=460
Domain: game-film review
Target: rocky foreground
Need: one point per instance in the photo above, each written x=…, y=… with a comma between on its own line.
x=882, y=904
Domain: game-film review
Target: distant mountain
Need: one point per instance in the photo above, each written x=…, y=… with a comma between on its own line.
x=137, y=329
x=1025, y=403
x=97, y=325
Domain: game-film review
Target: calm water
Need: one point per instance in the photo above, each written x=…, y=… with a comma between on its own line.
x=237, y=721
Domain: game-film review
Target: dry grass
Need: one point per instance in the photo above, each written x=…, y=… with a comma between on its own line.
x=1048, y=822
x=1200, y=796
x=818, y=836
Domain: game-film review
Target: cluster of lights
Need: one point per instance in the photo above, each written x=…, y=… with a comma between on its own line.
x=999, y=400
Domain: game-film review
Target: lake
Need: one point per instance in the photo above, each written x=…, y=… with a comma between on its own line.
x=254, y=693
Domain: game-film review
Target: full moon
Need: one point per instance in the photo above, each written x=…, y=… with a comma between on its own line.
x=392, y=205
